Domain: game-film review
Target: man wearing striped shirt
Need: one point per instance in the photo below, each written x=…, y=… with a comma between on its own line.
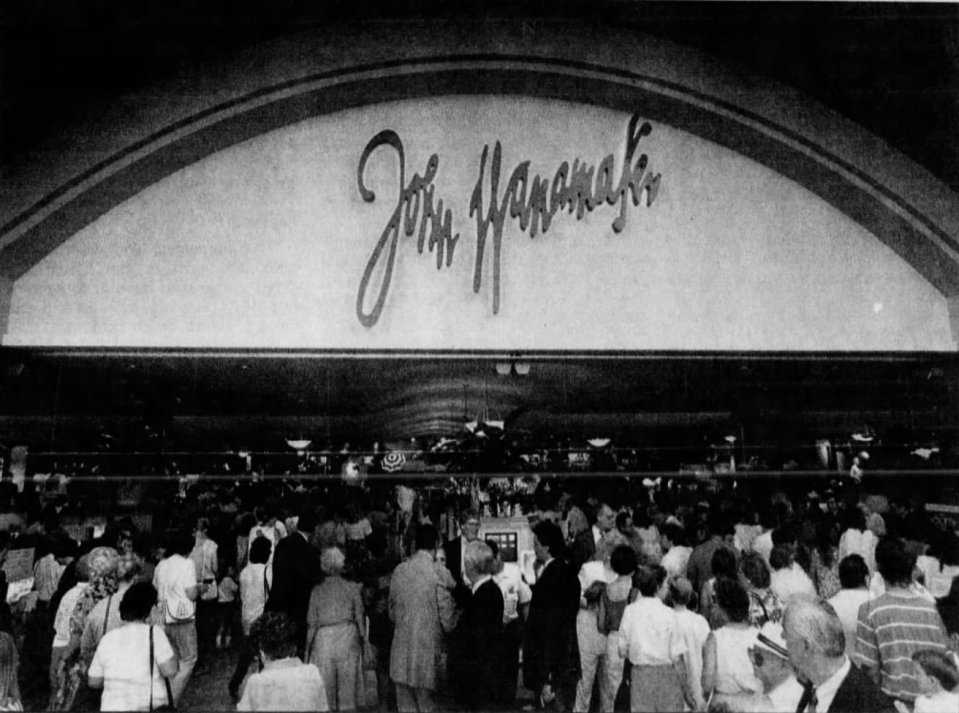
x=897, y=624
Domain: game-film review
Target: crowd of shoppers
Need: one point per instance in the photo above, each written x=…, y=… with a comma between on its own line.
x=657, y=596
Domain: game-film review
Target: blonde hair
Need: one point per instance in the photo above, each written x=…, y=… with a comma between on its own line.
x=478, y=559
x=332, y=561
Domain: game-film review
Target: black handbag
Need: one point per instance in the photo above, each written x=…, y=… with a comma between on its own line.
x=169, y=693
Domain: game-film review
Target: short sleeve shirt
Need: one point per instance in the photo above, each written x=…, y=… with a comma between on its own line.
x=123, y=662
x=173, y=576
x=285, y=685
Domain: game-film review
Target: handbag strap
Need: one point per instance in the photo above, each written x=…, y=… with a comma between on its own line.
x=266, y=585
x=151, y=668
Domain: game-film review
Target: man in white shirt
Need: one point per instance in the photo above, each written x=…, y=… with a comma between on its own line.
x=816, y=645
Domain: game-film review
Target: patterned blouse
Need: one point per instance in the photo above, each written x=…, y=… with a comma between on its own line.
x=764, y=606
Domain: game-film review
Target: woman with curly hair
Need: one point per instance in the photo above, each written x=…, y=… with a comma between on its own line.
x=764, y=604
x=100, y=567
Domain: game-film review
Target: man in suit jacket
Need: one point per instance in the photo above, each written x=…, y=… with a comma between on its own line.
x=469, y=521
x=551, y=666
x=816, y=643
x=422, y=611
x=584, y=545
x=475, y=659
x=296, y=570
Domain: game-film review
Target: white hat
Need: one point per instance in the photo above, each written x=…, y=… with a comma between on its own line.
x=771, y=638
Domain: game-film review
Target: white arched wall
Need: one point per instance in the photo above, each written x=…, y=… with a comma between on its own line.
x=264, y=244
x=222, y=210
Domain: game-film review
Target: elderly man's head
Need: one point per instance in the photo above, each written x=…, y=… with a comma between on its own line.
x=478, y=560
x=814, y=636
x=770, y=658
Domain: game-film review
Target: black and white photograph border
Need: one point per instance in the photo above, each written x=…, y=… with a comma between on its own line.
x=411, y=262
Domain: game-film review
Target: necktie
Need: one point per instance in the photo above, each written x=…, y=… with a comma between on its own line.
x=808, y=702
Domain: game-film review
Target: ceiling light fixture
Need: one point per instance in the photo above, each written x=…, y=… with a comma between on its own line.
x=515, y=366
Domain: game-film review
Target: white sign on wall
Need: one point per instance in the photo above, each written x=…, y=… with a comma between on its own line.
x=478, y=223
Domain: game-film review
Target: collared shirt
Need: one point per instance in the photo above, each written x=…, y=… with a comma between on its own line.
x=826, y=691
x=481, y=581
x=649, y=634
x=785, y=697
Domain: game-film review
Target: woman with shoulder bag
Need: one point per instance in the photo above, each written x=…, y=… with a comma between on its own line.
x=133, y=664
x=178, y=590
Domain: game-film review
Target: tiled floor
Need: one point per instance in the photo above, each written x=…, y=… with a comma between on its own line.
x=208, y=691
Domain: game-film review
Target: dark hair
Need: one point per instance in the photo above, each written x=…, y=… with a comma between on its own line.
x=307, y=520
x=426, y=538
x=180, y=542
x=731, y=596
x=674, y=533
x=780, y=557
x=680, y=595
x=621, y=519
x=853, y=572
x=493, y=546
x=62, y=545
x=265, y=512
x=718, y=523
x=724, y=562
x=940, y=666
x=138, y=601
x=623, y=560
x=894, y=562
x=641, y=517
x=649, y=580
x=785, y=534
x=755, y=570
x=550, y=536
x=275, y=634
x=260, y=550
x=767, y=519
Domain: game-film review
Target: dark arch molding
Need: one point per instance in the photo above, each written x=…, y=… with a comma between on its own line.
x=57, y=217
